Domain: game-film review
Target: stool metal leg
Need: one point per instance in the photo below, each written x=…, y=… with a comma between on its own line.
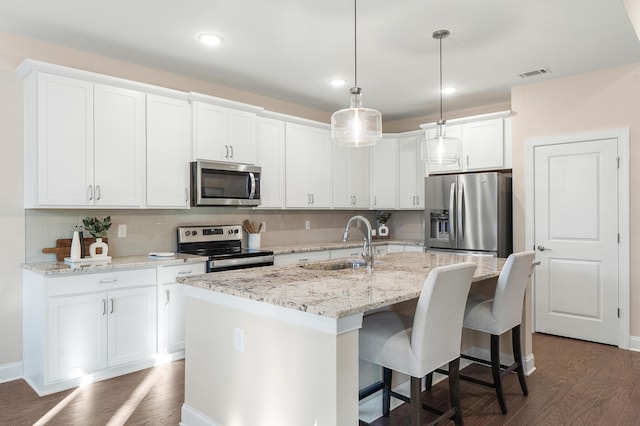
x=454, y=390
x=386, y=391
x=416, y=401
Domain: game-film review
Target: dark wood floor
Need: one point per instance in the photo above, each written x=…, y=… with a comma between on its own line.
x=576, y=383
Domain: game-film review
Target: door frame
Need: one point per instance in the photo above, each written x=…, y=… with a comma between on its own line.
x=622, y=137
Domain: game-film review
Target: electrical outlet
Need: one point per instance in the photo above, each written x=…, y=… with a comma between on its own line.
x=238, y=339
x=264, y=226
x=122, y=231
x=307, y=224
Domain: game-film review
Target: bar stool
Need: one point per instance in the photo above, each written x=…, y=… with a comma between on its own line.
x=417, y=346
x=498, y=315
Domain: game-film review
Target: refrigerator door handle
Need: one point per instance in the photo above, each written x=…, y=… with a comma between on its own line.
x=460, y=222
x=452, y=200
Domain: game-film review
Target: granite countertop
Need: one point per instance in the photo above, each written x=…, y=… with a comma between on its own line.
x=125, y=262
x=336, y=294
x=335, y=245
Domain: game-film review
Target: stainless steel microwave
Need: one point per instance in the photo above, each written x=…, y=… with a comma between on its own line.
x=224, y=184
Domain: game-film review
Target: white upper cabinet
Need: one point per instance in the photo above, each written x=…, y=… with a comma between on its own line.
x=308, y=157
x=119, y=146
x=486, y=144
x=384, y=169
x=411, y=173
x=84, y=143
x=223, y=134
x=351, y=173
x=270, y=157
x=168, y=152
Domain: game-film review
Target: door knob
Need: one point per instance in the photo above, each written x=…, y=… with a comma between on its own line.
x=543, y=248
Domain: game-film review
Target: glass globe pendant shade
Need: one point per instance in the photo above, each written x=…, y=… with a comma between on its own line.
x=441, y=149
x=356, y=126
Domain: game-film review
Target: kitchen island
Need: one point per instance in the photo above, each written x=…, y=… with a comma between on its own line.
x=279, y=345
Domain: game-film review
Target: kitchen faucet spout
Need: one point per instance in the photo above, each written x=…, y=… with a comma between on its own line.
x=367, y=249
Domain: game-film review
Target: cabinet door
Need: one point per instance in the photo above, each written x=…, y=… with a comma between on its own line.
x=119, y=146
x=409, y=196
x=319, y=160
x=132, y=325
x=242, y=131
x=171, y=315
x=384, y=174
x=168, y=152
x=454, y=132
x=360, y=168
x=77, y=335
x=484, y=145
x=64, y=141
x=270, y=156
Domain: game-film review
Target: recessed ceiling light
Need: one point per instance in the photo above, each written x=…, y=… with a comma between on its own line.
x=337, y=82
x=210, y=39
x=449, y=90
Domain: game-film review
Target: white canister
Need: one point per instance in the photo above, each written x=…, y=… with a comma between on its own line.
x=76, y=250
x=253, y=241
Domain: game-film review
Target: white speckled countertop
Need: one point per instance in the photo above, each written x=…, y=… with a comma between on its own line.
x=125, y=262
x=335, y=245
x=336, y=294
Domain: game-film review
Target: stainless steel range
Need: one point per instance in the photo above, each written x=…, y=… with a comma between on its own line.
x=223, y=245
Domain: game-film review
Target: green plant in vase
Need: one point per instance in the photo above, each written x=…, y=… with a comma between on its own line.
x=98, y=229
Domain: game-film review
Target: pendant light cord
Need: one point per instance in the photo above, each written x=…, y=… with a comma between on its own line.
x=440, y=78
x=355, y=42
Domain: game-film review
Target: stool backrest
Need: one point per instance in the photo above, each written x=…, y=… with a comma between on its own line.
x=512, y=283
x=437, y=323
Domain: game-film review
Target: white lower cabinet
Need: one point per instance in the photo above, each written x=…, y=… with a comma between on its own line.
x=100, y=325
x=171, y=308
x=301, y=258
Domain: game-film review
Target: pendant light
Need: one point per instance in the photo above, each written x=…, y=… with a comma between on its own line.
x=441, y=149
x=356, y=126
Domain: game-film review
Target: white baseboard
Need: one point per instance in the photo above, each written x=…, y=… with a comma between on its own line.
x=10, y=372
x=634, y=343
x=192, y=417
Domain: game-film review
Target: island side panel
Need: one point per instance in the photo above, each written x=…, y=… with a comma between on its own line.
x=285, y=375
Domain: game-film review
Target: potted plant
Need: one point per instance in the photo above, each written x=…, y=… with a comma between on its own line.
x=98, y=229
x=382, y=217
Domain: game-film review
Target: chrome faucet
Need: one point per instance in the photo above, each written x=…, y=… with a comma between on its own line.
x=367, y=249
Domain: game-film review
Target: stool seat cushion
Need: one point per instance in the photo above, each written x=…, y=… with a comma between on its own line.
x=478, y=314
x=385, y=340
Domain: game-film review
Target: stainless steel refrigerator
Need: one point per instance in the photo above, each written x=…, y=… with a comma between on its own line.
x=469, y=213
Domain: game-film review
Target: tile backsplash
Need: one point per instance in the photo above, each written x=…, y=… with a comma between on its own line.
x=155, y=230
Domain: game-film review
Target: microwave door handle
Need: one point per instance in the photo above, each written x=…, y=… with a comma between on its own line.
x=452, y=200
x=252, y=187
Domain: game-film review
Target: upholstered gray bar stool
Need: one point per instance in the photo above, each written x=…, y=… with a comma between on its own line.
x=498, y=315
x=417, y=346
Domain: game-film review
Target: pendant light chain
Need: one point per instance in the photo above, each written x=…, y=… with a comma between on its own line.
x=440, y=78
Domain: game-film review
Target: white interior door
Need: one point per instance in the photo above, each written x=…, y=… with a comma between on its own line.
x=576, y=226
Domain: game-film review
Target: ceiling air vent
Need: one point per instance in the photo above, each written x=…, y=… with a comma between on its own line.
x=534, y=73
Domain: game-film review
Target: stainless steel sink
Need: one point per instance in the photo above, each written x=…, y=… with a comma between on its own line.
x=335, y=265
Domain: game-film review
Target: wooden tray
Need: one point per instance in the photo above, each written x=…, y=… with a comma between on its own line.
x=63, y=247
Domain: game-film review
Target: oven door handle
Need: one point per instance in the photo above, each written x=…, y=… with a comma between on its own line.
x=240, y=261
x=252, y=185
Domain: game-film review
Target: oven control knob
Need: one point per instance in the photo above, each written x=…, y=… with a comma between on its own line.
x=235, y=231
x=194, y=233
x=187, y=233
x=230, y=231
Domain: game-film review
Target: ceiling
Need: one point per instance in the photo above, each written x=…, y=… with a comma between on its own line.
x=289, y=49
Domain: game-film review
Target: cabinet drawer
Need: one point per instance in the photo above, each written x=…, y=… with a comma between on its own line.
x=86, y=283
x=168, y=274
x=299, y=258
x=346, y=252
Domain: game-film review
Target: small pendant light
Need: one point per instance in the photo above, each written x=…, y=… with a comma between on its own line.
x=356, y=126
x=441, y=149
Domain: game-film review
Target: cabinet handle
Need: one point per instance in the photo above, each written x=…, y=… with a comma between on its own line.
x=104, y=306
x=231, y=149
x=375, y=200
x=304, y=260
x=467, y=161
x=417, y=200
x=184, y=272
x=167, y=297
x=226, y=152
x=113, y=280
x=112, y=303
x=90, y=191
x=313, y=199
x=186, y=195
x=98, y=192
